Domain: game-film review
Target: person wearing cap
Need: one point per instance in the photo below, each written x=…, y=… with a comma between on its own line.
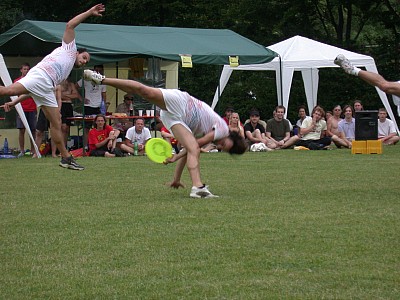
x=124, y=124
x=254, y=130
x=228, y=111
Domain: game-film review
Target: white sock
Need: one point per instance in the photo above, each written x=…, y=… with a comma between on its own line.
x=355, y=71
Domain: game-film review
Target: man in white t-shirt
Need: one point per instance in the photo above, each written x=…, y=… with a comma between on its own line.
x=313, y=131
x=95, y=97
x=41, y=81
x=139, y=134
x=192, y=122
x=386, y=130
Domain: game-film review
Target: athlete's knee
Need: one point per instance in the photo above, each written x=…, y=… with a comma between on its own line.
x=389, y=87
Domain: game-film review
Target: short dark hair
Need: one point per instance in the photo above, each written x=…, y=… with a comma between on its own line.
x=81, y=50
x=139, y=119
x=239, y=143
x=254, y=112
x=348, y=106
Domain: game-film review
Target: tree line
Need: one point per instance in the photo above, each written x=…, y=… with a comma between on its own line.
x=369, y=27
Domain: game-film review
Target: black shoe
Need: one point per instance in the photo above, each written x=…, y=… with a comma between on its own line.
x=70, y=163
x=118, y=153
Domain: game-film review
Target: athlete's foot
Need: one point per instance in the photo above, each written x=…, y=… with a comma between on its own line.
x=344, y=63
x=93, y=76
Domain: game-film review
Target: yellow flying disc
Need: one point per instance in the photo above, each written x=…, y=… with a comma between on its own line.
x=158, y=150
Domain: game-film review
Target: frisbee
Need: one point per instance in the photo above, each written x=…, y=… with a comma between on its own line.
x=158, y=150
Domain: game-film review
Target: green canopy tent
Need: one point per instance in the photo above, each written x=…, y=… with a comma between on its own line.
x=113, y=43
x=118, y=43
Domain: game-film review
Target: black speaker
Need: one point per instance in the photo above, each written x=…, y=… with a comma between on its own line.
x=366, y=125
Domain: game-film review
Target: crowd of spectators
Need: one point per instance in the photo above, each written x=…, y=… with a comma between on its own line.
x=319, y=130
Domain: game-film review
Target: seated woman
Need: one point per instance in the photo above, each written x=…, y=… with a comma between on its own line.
x=103, y=139
x=234, y=124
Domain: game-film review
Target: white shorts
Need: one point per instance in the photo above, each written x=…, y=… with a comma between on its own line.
x=175, y=102
x=40, y=86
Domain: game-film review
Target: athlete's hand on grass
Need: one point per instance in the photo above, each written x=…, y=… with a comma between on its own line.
x=176, y=184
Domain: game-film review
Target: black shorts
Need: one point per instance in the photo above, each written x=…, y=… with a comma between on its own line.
x=91, y=111
x=42, y=123
x=66, y=112
x=99, y=151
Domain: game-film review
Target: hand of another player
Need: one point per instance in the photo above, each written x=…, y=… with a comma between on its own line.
x=176, y=184
x=7, y=106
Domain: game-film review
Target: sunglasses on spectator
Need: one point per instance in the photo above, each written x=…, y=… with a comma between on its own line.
x=127, y=98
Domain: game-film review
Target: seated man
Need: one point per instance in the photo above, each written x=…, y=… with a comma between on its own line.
x=332, y=123
x=278, y=130
x=103, y=139
x=386, y=129
x=124, y=124
x=313, y=131
x=137, y=133
x=254, y=131
x=346, y=129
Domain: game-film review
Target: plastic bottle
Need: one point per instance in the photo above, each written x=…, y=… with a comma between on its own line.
x=5, y=146
x=135, y=148
x=131, y=110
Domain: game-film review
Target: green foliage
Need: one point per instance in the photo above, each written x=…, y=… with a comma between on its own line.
x=366, y=26
x=288, y=225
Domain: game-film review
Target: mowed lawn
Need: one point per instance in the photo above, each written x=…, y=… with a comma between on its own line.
x=288, y=225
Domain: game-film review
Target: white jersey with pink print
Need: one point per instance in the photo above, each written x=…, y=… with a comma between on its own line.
x=192, y=113
x=59, y=63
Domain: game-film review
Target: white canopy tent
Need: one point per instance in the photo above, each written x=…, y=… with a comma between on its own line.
x=302, y=54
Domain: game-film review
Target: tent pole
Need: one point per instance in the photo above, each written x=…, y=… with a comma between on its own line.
x=116, y=90
x=219, y=89
x=280, y=78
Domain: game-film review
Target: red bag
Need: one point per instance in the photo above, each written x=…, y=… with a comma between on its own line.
x=78, y=152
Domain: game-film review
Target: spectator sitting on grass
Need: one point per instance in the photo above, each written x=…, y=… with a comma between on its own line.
x=254, y=129
x=137, y=133
x=332, y=123
x=346, y=128
x=386, y=130
x=313, y=131
x=278, y=130
x=103, y=139
x=234, y=124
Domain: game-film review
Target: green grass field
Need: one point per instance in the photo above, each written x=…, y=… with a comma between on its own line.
x=288, y=225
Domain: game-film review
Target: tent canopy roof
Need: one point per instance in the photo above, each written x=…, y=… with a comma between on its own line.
x=302, y=54
x=110, y=43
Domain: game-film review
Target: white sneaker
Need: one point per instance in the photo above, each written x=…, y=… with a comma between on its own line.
x=93, y=76
x=201, y=193
x=344, y=63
